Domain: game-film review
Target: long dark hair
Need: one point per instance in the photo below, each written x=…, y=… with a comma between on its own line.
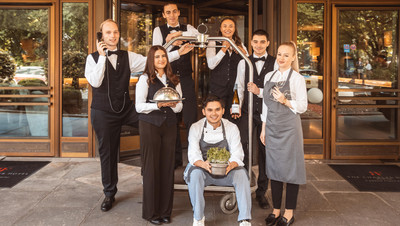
x=235, y=35
x=151, y=71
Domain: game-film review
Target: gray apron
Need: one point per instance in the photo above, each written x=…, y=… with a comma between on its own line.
x=204, y=146
x=283, y=139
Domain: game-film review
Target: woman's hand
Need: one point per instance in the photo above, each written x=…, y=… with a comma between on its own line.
x=185, y=49
x=262, y=135
x=227, y=46
x=232, y=165
x=278, y=95
x=167, y=104
x=251, y=87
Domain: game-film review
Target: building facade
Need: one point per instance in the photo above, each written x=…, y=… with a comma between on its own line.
x=348, y=53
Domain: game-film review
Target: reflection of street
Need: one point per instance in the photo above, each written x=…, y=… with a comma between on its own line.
x=364, y=127
x=15, y=123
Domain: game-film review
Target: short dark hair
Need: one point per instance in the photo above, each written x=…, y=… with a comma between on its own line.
x=212, y=98
x=261, y=32
x=169, y=3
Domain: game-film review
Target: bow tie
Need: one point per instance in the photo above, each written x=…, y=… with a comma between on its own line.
x=109, y=53
x=257, y=59
x=177, y=28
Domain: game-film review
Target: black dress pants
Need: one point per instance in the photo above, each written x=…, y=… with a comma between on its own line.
x=107, y=126
x=262, y=180
x=157, y=145
x=292, y=191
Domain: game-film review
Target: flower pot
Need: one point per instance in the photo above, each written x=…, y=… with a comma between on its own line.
x=218, y=168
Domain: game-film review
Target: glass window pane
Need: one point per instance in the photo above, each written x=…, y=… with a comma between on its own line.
x=24, y=62
x=75, y=85
x=310, y=44
x=368, y=49
x=367, y=60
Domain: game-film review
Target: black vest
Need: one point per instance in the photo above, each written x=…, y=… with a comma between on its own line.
x=182, y=66
x=117, y=80
x=258, y=79
x=158, y=117
x=224, y=74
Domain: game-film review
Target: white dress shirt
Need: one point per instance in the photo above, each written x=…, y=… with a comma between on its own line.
x=213, y=136
x=241, y=71
x=158, y=39
x=214, y=58
x=94, y=73
x=142, y=89
x=298, y=91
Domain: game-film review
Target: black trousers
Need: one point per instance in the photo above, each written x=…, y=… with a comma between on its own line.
x=262, y=180
x=107, y=126
x=189, y=112
x=292, y=191
x=157, y=145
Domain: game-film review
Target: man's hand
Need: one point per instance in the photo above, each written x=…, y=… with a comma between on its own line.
x=236, y=116
x=172, y=36
x=262, y=134
x=203, y=164
x=185, y=49
x=232, y=165
x=100, y=47
x=251, y=87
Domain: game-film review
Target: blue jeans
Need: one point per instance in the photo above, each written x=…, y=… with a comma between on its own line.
x=236, y=178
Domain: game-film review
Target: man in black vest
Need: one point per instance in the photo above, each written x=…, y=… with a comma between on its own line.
x=109, y=76
x=262, y=64
x=181, y=67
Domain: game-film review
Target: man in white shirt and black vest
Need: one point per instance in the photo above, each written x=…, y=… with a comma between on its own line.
x=182, y=67
x=262, y=63
x=108, y=71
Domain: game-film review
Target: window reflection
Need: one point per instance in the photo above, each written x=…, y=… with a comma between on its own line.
x=75, y=86
x=24, y=63
x=310, y=44
x=367, y=62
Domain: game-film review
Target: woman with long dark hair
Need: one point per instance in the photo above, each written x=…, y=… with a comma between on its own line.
x=157, y=128
x=223, y=62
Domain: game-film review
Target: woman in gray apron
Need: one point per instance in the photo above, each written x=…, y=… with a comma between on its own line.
x=285, y=98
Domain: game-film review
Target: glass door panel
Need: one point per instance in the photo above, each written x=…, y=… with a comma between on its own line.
x=366, y=99
x=310, y=44
x=24, y=80
x=75, y=86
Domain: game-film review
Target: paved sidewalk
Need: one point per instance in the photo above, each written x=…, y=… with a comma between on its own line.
x=68, y=191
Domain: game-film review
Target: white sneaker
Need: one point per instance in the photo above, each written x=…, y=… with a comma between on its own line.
x=245, y=223
x=200, y=222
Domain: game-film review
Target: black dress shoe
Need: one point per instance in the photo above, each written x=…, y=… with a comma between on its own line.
x=106, y=205
x=166, y=220
x=284, y=222
x=155, y=221
x=271, y=219
x=262, y=202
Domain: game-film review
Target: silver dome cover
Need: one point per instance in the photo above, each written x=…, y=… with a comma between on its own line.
x=166, y=94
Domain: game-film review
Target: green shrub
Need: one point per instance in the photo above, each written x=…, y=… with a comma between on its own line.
x=218, y=155
x=7, y=67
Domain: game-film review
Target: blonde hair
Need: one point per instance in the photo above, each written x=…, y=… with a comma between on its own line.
x=295, y=63
x=107, y=21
